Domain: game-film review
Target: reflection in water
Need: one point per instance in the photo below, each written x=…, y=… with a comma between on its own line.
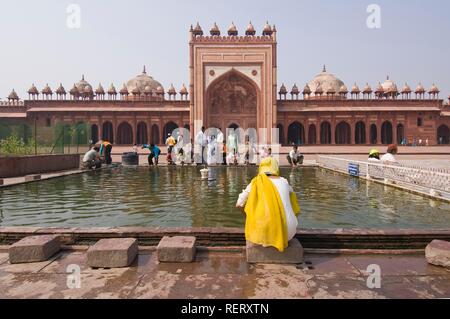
x=175, y=196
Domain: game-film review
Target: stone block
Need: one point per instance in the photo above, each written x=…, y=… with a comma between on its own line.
x=34, y=249
x=257, y=254
x=179, y=249
x=32, y=178
x=113, y=253
x=438, y=253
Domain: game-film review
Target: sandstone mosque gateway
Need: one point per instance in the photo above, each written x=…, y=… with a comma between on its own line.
x=233, y=83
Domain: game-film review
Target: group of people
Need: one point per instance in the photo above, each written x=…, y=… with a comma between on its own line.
x=98, y=154
x=388, y=158
x=415, y=142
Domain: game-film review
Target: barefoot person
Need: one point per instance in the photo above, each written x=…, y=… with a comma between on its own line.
x=295, y=158
x=271, y=207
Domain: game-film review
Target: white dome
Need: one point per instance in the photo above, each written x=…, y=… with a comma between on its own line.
x=141, y=82
x=326, y=81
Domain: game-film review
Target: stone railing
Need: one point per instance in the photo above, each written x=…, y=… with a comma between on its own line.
x=435, y=182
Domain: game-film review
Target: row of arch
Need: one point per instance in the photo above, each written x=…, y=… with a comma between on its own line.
x=296, y=134
x=124, y=134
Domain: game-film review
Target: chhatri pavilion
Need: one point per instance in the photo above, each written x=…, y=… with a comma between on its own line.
x=233, y=84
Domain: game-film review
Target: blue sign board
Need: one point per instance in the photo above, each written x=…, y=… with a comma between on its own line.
x=353, y=169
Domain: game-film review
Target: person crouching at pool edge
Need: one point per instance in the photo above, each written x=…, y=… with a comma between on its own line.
x=271, y=207
x=295, y=158
x=91, y=159
x=154, y=153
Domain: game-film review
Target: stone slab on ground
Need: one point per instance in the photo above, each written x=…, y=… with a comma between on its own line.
x=257, y=254
x=34, y=249
x=438, y=253
x=113, y=253
x=32, y=178
x=180, y=249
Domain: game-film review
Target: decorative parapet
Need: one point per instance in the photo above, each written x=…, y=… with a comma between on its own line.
x=233, y=39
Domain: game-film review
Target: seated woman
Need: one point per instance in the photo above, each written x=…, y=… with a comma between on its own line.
x=374, y=156
x=271, y=207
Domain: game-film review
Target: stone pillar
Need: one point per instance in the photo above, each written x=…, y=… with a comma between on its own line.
x=134, y=133
x=353, y=131
x=394, y=131
x=306, y=142
x=333, y=131
x=379, y=131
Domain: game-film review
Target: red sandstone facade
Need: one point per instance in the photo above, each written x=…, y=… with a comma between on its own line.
x=233, y=83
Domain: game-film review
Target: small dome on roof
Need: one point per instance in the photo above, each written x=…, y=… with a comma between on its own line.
x=367, y=89
x=267, y=29
x=198, y=30
x=355, y=89
x=331, y=90
x=148, y=90
x=124, y=90
x=434, y=89
x=379, y=89
x=172, y=90
x=183, y=90
x=61, y=90
x=112, y=90
x=88, y=89
x=283, y=89
x=136, y=91
x=406, y=89
x=389, y=86
x=33, y=90
x=13, y=95
x=250, y=29
x=318, y=90
x=295, y=90
x=420, y=89
x=306, y=89
x=47, y=90
x=100, y=90
x=232, y=30
x=215, y=31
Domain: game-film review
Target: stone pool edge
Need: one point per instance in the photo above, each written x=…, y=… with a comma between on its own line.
x=311, y=239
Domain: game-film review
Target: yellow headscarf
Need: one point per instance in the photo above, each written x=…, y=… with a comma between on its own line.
x=266, y=219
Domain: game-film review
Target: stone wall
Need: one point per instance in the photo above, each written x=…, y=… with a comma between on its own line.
x=26, y=165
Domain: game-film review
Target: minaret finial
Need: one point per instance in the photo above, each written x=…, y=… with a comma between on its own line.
x=144, y=71
x=324, y=68
x=82, y=77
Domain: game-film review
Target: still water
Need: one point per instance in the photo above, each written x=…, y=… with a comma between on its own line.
x=177, y=197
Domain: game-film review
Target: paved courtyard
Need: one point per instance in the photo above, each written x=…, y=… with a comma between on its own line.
x=223, y=275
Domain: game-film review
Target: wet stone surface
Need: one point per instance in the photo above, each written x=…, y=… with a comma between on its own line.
x=225, y=275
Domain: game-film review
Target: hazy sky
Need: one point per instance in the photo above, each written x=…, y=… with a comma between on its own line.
x=117, y=38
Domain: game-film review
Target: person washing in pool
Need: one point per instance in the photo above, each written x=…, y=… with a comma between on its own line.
x=271, y=207
x=154, y=153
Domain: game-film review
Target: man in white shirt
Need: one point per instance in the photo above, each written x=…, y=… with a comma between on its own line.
x=202, y=142
x=92, y=159
x=389, y=157
x=294, y=157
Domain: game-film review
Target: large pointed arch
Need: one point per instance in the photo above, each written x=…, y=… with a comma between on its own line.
x=232, y=98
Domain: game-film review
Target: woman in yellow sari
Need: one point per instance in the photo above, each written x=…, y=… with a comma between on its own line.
x=271, y=207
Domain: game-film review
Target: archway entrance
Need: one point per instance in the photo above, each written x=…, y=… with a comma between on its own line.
x=312, y=138
x=360, y=133
x=108, y=132
x=124, y=134
x=400, y=133
x=373, y=134
x=142, y=137
x=443, y=135
x=296, y=134
x=232, y=98
x=325, y=133
x=154, y=138
x=343, y=133
x=386, y=133
x=94, y=133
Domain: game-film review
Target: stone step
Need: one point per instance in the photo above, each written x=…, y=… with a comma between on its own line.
x=34, y=249
x=257, y=254
x=33, y=178
x=438, y=253
x=113, y=253
x=179, y=249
